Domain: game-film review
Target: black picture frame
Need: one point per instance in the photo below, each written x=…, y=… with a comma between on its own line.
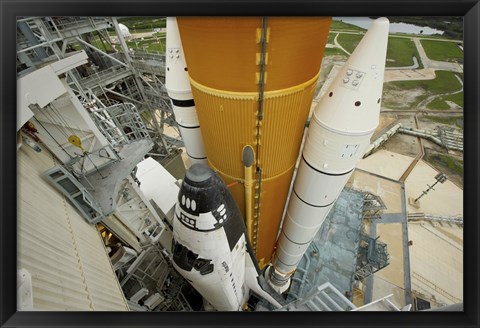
x=10, y=9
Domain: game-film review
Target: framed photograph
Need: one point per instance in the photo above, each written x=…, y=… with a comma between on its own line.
x=231, y=164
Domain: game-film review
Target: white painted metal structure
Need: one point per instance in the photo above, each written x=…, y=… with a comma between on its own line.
x=339, y=133
x=178, y=87
x=65, y=256
x=58, y=113
x=382, y=139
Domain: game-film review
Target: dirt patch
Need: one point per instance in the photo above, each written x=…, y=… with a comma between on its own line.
x=409, y=74
x=401, y=143
x=450, y=164
x=396, y=98
x=386, y=120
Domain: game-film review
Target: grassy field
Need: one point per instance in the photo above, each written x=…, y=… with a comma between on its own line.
x=341, y=26
x=401, y=50
x=331, y=37
x=149, y=44
x=333, y=52
x=349, y=41
x=143, y=24
x=439, y=103
x=444, y=82
x=442, y=51
x=450, y=162
x=451, y=120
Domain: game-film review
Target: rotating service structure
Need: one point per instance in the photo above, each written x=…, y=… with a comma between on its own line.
x=253, y=81
x=339, y=134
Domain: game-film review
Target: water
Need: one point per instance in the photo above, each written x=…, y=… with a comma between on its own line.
x=365, y=22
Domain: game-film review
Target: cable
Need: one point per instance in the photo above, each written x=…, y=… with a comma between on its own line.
x=59, y=145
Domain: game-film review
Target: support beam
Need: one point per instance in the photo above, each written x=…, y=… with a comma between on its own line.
x=102, y=52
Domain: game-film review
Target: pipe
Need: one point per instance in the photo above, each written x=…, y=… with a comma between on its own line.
x=382, y=139
x=340, y=131
x=422, y=134
x=248, y=158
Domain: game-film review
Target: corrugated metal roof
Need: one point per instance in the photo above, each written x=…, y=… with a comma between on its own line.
x=64, y=254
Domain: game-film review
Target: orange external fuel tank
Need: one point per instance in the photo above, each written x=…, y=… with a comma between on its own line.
x=253, y=81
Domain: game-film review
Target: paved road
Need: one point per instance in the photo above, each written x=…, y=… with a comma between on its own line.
x=402, y=36
x=335, y=41
x=449, y=112
x=440, y=65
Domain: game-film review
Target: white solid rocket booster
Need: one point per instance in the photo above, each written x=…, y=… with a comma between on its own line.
x=180, y=93
x=339, y=133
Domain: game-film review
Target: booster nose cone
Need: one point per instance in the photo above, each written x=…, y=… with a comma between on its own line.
x=351, y=105
x=372, y=48
x=199, y=174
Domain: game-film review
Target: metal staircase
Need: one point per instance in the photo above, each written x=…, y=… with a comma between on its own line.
x=325, y=298
x=78, y=195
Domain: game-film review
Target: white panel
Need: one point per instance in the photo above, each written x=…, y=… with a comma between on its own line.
x=65, y=255
x=303, y=221
x=316, y=188
x=288, y=255
x=157, y=184
x=186, y=116
x=32, y=89
x=192, y=138
x=178, y=87
x=70, y=62
x=324, y=149
x=176, y=79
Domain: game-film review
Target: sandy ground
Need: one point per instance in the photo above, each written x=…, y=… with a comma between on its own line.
x=436, y=261
x=409, y=74
x=389, y=191
x=436, y=256
x=385, y=122
x=384, y=288
x=386, y=163
x=390, y=280
x=445, y=200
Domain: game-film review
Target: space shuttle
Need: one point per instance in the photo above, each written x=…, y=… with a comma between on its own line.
x=210, y=247
x=252, y=82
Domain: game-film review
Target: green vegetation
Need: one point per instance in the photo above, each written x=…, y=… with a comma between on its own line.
x=442, y=50
x=349, y=41
x=444, y=82
x=148, y=44
x=450, y=120
x=341, y=26
x=143, y=24
x=453, y=164
x=451, y=25
x=401, y=51
x=439, y=103
x=331, y=38
x=333, y=52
